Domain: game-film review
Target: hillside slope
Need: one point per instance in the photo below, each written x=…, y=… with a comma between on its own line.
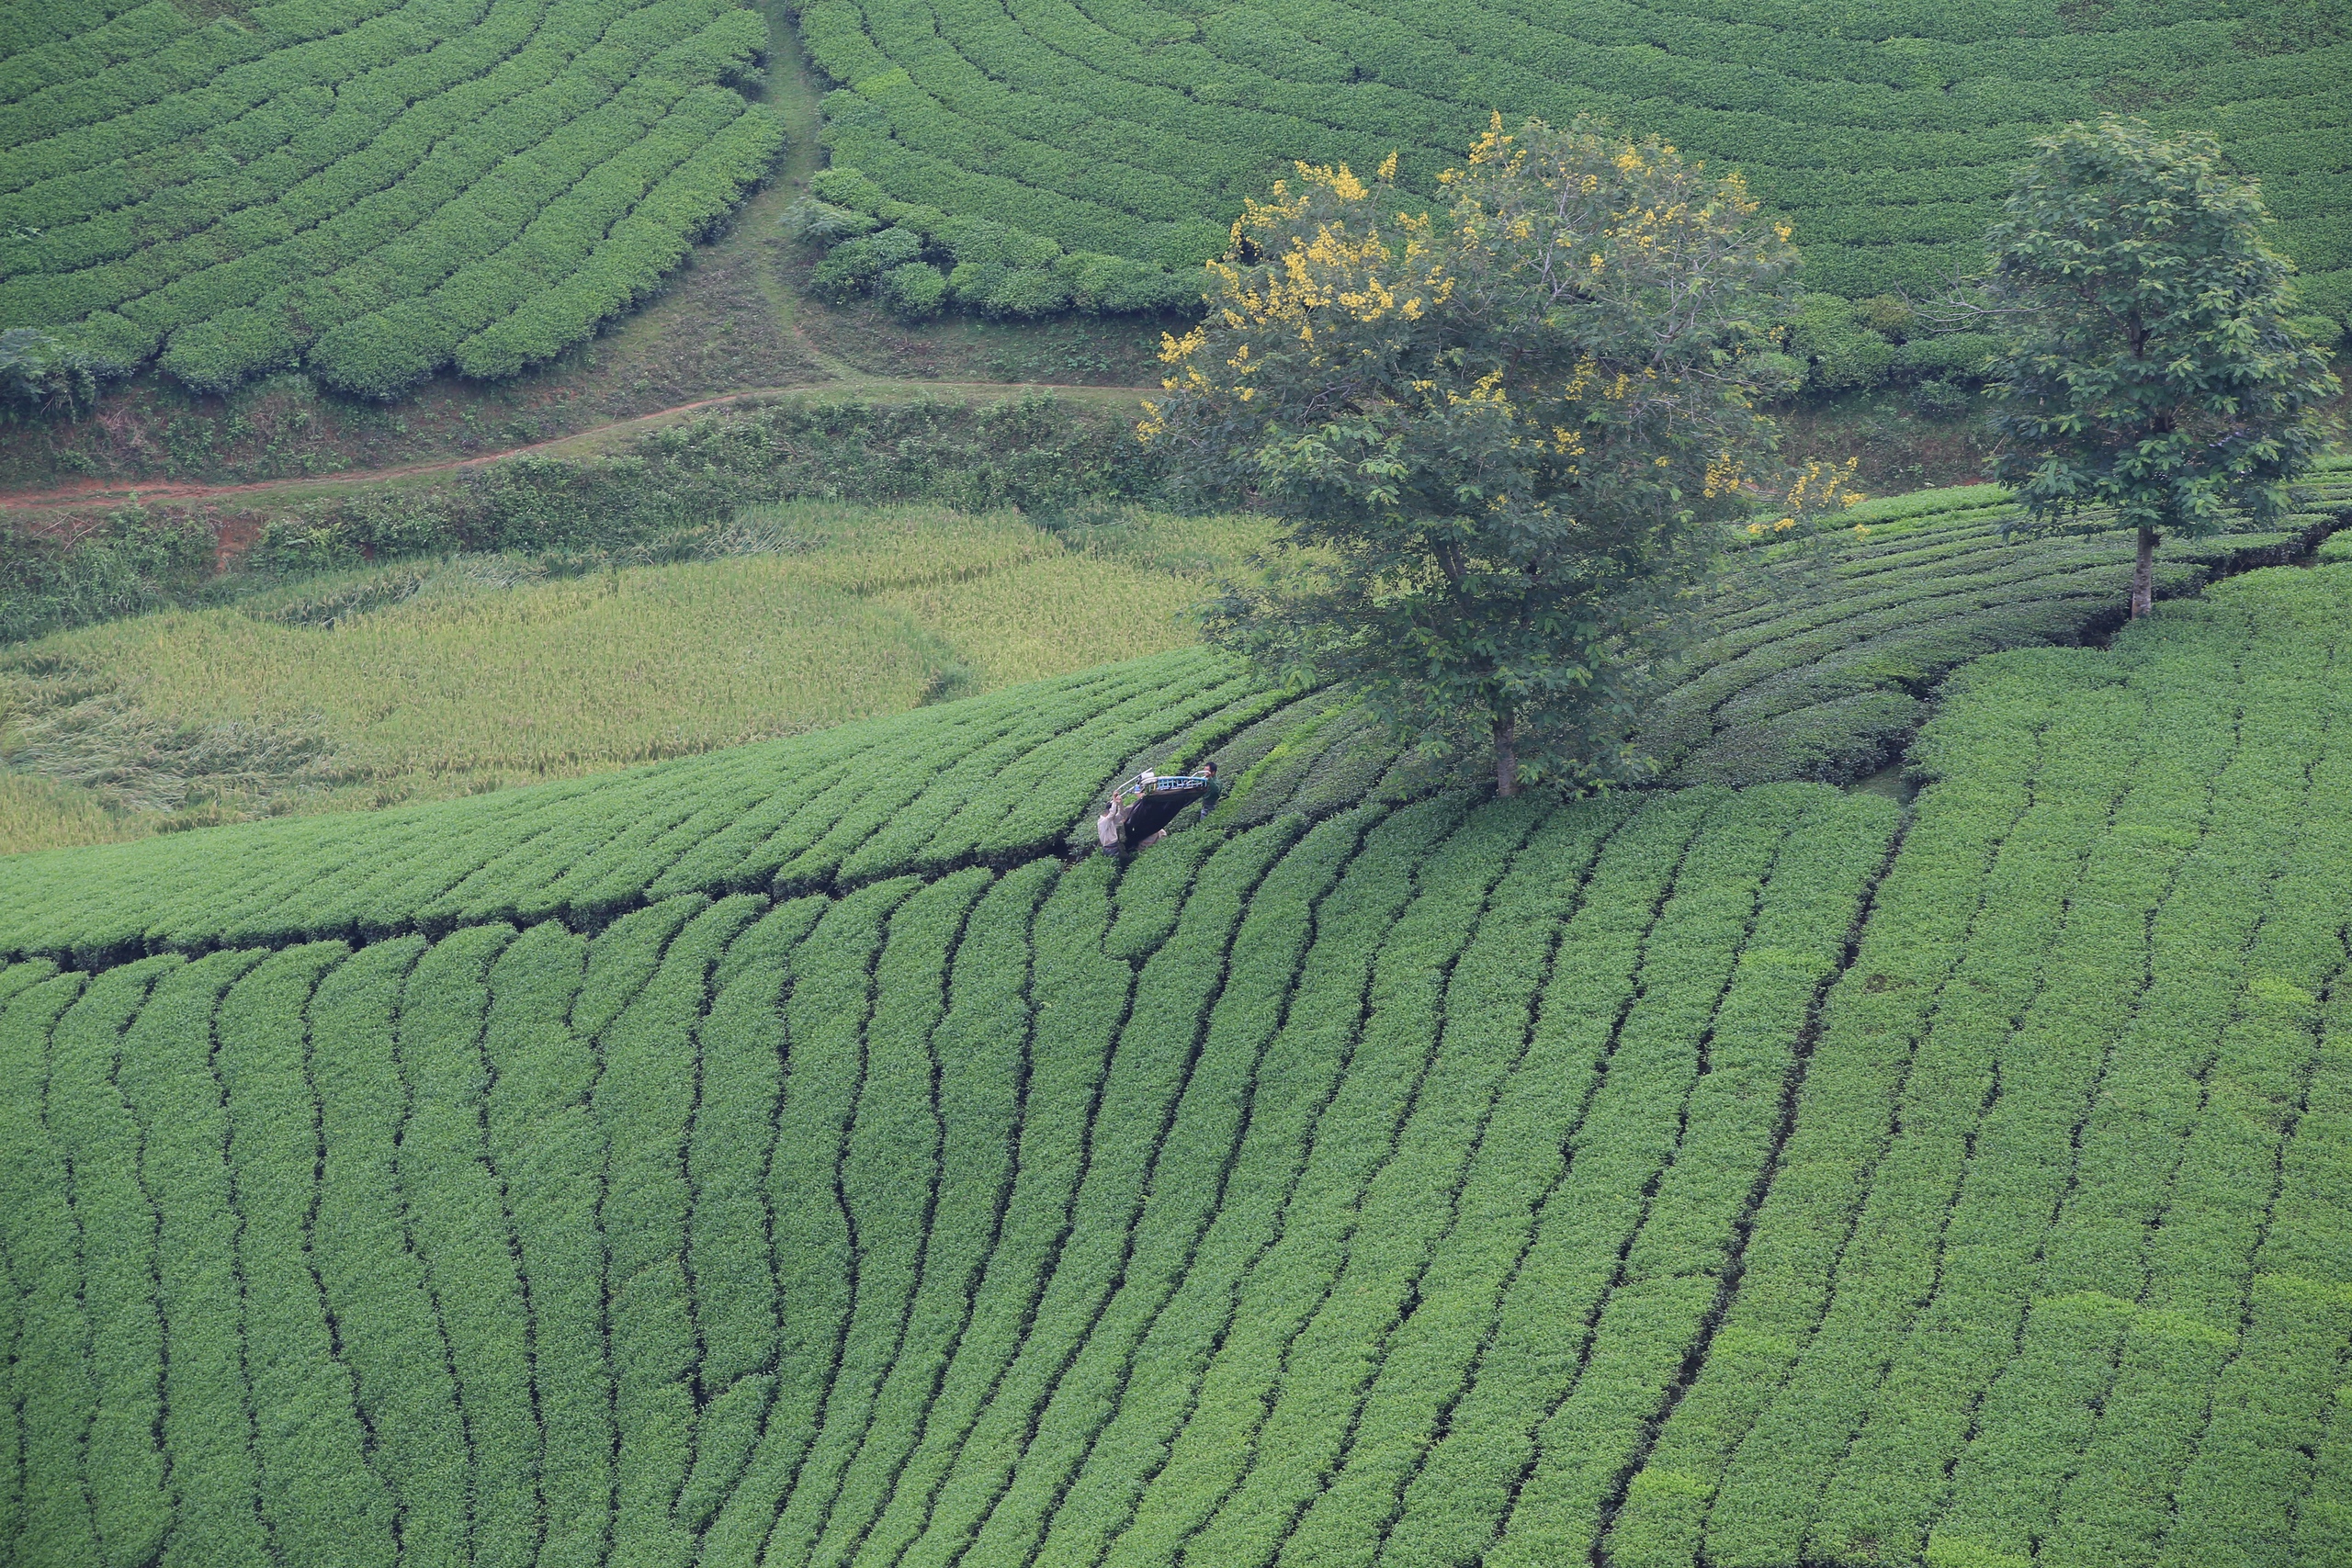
x=365, y=188
x=1824, y=657
x=1886, y=131
x=1773, y=1175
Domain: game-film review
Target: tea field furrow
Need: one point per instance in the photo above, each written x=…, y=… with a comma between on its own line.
x=160, y=200
x=2036, y=1094
x=639, y=993
x=730, y=1230
x=1889, y=1268
x=981, y=1048
x=322, y=1499
x=1359, y=1135
x=52, y=1389
x=2078, y=1309
x=1195, y=1139
x=644, y=1100
x=2310, y=1210
x=2212, y=877
x=1568, y=1232
x=1154, y=1050
x=461, y=1233
x=284, y=138
x=826, y=1012
x=167, y=1078
x=377, y=1288
x=543, y=1141
x=1938, y=890
x=1174, y=1422
x=1193, y=1179
x=1555, y=898
x=1640, y=1125
x=2219, y=1223
x=2291, y=1314
x=12, y=1299
x=1887, y=150
x=1079, y=998
x=440, y=134
x=890, y=1183
x=98, y=1147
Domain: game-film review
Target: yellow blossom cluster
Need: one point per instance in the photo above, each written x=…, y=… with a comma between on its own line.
x=1830, y=486
x=1725, y=473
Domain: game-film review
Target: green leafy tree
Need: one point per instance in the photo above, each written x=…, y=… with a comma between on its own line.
x=1502, y=437
x=2152, y=361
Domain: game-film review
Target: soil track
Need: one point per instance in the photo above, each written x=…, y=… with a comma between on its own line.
x=30, y=504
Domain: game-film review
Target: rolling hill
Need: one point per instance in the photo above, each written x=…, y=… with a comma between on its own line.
x=1044, y=140
x=808, y=1154
x=367, y=189
x=1822, y=661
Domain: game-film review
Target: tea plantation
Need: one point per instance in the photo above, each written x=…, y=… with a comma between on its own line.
x=1125, y=131
x=805, y=1154
x=370, y=189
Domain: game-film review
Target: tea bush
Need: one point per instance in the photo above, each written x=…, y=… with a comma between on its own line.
x=799, y=1156
x=1123, y=136
x=371, y=189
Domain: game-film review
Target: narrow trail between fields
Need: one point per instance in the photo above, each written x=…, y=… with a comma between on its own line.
x=86, y=492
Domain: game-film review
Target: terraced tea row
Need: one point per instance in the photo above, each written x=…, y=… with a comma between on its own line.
x=993, y=779
x=1826, y=655
x=1033, y=1217
x=2057, y=1266
x=1135, y=129
x=1698, y=1176
x=1823, y=660
x=1823, y=665
x=370, y=189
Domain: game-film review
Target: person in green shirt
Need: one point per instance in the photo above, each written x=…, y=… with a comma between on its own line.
x=1209, y=796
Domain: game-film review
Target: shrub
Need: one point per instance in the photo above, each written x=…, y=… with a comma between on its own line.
x=914, y=292
x=1939, y=400
x=1840, y=350
x=1027, y=293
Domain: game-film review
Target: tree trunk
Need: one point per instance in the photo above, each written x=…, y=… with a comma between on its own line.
x=1505, y=755
x=2144, y=574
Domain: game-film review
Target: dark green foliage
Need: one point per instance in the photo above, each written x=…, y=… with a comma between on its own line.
x=986, y=267
x=1494, y=486
x=370, y=190
x=914, y=292
x=128, y=565
x=1135, y=130
x=2155, y=365
x=1748, y=1177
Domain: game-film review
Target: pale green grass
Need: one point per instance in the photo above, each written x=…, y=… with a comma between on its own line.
x=467, y=684
x=36, y=814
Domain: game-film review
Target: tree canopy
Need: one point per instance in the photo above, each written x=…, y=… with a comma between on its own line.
x=2155, y=363
x=1501, y=436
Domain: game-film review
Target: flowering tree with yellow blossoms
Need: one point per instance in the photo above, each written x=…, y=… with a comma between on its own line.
x=1503, y=436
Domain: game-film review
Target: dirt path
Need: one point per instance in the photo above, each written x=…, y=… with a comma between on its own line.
x=85, y=492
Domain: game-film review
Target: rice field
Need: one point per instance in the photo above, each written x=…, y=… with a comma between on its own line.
x=475, y=677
